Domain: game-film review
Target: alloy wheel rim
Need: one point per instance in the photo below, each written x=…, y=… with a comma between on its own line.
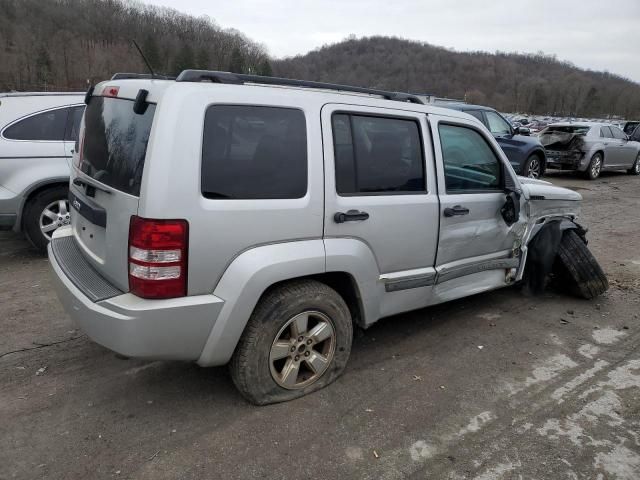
x=595, y=169
x=54, y=216
x=302, y=350
x=534, y=168
x=637, y=165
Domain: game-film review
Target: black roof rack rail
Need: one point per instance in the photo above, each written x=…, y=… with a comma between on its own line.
x=134, y=76
x=241, y=78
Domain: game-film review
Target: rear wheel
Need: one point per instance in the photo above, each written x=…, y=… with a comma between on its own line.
x=578, y=269
x=635, y=169
x=533, y=167
x=595, y=167
x=297, y=340
x=47, y=211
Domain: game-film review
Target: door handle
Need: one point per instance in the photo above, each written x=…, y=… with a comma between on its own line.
x=350, y=216
x=456, y=211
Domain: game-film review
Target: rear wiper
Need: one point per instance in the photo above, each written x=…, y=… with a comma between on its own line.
x=82, y=183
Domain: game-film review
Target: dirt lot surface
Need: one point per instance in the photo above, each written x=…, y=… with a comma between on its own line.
x=497, y=386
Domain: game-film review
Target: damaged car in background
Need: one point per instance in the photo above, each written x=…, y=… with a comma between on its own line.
x=590, y=148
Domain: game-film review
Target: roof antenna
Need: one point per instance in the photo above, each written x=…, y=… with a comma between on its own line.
x=153, y=74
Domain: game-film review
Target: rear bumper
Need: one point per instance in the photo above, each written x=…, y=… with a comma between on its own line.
x=9, y=206
x=566, y=160
x=175, y=329
x=7, y=221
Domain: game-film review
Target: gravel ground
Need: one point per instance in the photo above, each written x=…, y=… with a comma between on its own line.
x=497, y=386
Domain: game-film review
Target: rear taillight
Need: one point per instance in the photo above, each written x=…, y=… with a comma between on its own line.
x=158, y=257
x=110, y=91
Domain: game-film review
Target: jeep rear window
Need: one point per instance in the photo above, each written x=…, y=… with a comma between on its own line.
x=252, y=152
x=115, y=143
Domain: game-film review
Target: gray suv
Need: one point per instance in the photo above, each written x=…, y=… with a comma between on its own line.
x=248, y=220
x=38, y=133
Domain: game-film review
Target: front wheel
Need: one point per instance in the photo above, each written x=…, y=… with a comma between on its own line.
x=297, y=340
x=533, y=167
x=635, y=169
x=44, y=214
x=595, y=167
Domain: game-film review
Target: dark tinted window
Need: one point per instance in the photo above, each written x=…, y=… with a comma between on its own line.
x=47, y=126
x=606, y=132
x=73, y=123
x=469, y=162
x=376, y=154
x=629, y=127
x=115, y=143
x=254, y=152
x=617, y=133
x=475, y=113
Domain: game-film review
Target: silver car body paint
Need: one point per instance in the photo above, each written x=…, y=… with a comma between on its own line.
x=406, y=256
x=27, y=165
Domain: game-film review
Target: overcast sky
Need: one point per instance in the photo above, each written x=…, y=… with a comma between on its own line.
x=594, y=34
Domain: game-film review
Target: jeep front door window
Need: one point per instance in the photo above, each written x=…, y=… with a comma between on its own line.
x=470, y=165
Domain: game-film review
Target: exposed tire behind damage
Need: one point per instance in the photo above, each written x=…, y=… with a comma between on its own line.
x=578, y=268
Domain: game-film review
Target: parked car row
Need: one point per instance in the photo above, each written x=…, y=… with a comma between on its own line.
x=39, y=134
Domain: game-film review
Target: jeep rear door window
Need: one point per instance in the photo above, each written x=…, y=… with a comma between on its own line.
x=470, y=165
x=252, y=152
x=45, y=126
x=377, y=155
x=115, y=143
x=497, y=124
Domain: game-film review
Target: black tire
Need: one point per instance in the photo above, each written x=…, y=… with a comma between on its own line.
x=250, y=365
x=533, y=167
x=595, y=166
x=635, y=168
x=579, y=271
x=35, y=208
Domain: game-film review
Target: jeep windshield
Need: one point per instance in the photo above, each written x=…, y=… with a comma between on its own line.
x=115, y=143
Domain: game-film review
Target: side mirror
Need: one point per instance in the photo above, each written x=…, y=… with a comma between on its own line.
x=521, y=131
x=511, y=209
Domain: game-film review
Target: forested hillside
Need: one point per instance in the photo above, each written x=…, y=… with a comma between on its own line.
x=63, y=44
x=507, y=81
x=66, y=44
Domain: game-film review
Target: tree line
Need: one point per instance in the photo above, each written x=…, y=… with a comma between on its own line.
x=509, y=82
x=66, y=44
